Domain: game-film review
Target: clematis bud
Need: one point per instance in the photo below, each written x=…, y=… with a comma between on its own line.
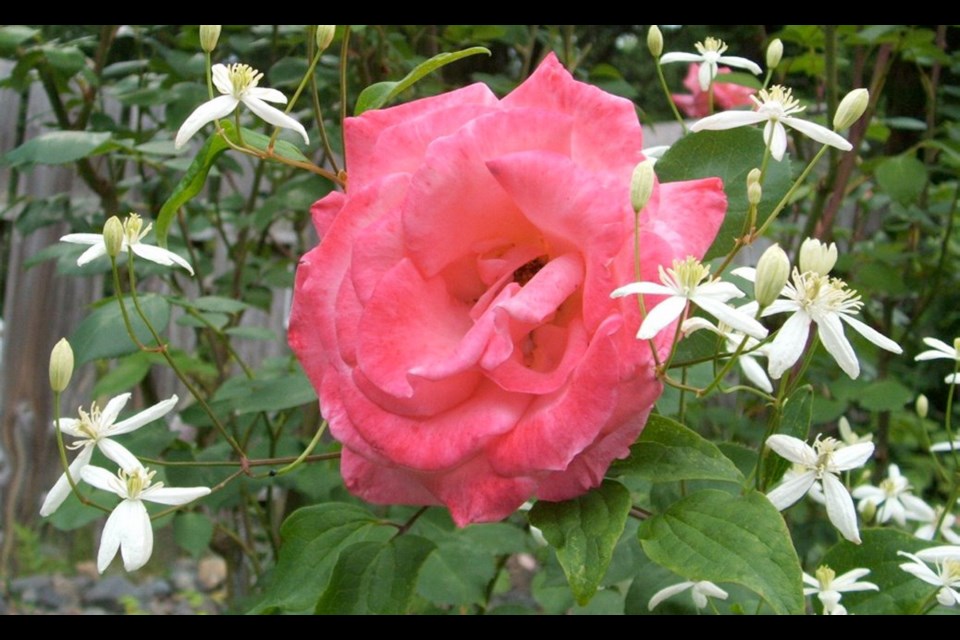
x=851, y=108
x=209, y=34
x=641, y=185
x=868, y=509
x=773, y=269
x=655, y=41
x=113, y=236
x=325, y=33
x=61, y=365
x=753, y=177
x=817, y=257
x=774, y=53
x=754, y=193
x=922, y=406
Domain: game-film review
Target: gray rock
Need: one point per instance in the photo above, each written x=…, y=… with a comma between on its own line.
x=107, y=592
x=27, y=589
x=153, y=589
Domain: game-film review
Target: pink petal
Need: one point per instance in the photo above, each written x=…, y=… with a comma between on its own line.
x=686, y=217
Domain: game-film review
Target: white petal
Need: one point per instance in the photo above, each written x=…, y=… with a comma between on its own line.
x=110, y=538
x=174, y=496
x=219, y=107
x=696, y=323
x=849, y=579
x=660, y=316
x=941, y=553
x=920, y=570
x=119, y=454
x=851, y=457
x=270, y=95
x=942, y=349
x=61, y=488
x=647, y=288
x=948, y=597
x=840, y=508
x=788, y=345
x=953, y=378
x=728, y=120
x=732, y=317
x=718, y=290
x=792, y=449
x=945, y=446
x=819, y=133
x=789, y=491
x=160, y=256
x=110, y=412
x=274, y=116
x=830, y=330
x=917, y=509
x=741, y=63
x=679, y=56
x=221, y=78
x=71, y=427
x=708, y=588
x=871, y=334
x=755, y=373
x=136, y=537
x=83, y=238
x=869, y=493
x=934, y=355
x=103, y=480
x=706, y=74
x=91, y=254
x=781, y=306
x=146, y=416
x=775, y=136
x=667, y=592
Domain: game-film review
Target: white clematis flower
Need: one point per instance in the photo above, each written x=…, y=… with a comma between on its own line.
x=133, y=234
x=710, y=57
x=947, y=576
x=824, y=461
x=700, y=591
x=829, y=588
x=928, y=530
x=892, y=499
x=683, y=284
x=238, y=84
x=128, y=527
x=825, y=301
x=775, y=107
x=732, y=340
x=941, y=350
x=96, y=429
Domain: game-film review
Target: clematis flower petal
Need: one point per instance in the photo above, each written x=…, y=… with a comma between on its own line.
x=831, y=334
x=819, y=133
x=788, y=492
x=788, y=345
x=173, y=495
x=219, y=107
x=741, y=63
x=118, y=453
x=728, y=120
x=668, y=592
x=661, y=316
x=732, y=317
x=61, y=488
x=852, y=456
x=145, y=417
x=135, y=532
x=160, y=256
x=840, y=508
x=274, y=116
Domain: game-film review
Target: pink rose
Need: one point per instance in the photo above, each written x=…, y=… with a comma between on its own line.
x=726, y=95
x=456, y=317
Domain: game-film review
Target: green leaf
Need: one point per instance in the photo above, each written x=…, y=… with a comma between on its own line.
x=900, y=592
x=728, y=155
x=272, y=394
x=190, y=184
x=13, y=35
x=797, y=413
x=58, y=147
x=885, y=395
x=902, y=177
x=668, y=451
x=313, y=538
x=102, y=334
x=193, y=532
x=376, y=577
x=377, y=95
x=716, y=536
x=251, y=333
x=217, y=304
x=127, y=374
x=584, y=532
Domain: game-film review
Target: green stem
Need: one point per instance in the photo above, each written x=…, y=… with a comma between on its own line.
x=209, y=77
x=666, y=91
x=306, y=452
x=948, y=420
x=324, y=137
x=344, y=50
x=786, y=197
x=217, y=487
x=259, y=462
x=403, y=528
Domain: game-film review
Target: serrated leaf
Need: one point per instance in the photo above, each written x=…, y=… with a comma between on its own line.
x=377, y=95
x=193, y=532
x=584, y=532
x=795, y=418
x=728, y=155
x=900, y=592
x=668, y=451
x=375, y=577
x=103, y=334
x=58, y=147
x=313, y=538
x=902, y=177
x=716, y=536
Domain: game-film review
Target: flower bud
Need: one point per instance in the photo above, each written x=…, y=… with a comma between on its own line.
x=655, y=41
x=851, y=108
x=209, y=34
x=773, y=269
x=754, y=176
x=113, y=236
x=922, y=406
x=61, y=365
x=641, y=185
x=774, y=53
x=817, y=257
x=754, y=193
x=868, y=509
x=325, y=33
